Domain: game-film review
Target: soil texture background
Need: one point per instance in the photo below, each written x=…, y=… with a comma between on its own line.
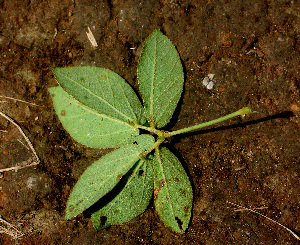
x=253, y=49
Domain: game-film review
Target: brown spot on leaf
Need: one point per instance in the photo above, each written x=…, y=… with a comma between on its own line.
x=104, y=76
x=120, y=177
x=63, y=112
x=176, y=179
x=72, y=208
x=186, y=209
x=162, y=183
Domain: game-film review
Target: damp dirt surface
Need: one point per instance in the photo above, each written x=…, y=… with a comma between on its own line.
x=251, y=47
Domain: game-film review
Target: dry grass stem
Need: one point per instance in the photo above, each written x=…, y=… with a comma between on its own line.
x=17, y=100
x=9, y=229
x=25, y=146
x=241, y=208
x=91, y=38
x=37, y=160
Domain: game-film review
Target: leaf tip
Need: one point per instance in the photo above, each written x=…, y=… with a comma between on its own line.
x=157, y=31
x=69, y=212
x=67, y=216
x=179, y=223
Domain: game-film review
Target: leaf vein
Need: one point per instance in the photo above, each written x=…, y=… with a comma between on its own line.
x=100, y=98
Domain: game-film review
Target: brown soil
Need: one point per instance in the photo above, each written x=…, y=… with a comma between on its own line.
x=252, y=47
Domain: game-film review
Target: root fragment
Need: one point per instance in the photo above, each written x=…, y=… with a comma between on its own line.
x=26, y=163
x=241, y=208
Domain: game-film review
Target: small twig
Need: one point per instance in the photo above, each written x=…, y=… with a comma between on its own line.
x=5, y=97
x=274, y=221
x=37, y=160
x=16, y=168
x=25, y=146
x=9, y=229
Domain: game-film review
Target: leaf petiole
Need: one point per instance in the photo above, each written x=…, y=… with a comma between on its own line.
x=154, y=146
x=243, y=111
x=151, y=130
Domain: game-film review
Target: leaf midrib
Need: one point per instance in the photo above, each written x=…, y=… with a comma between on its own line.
x=96, y=113
x=103, y=182
x=166, y=184
x=152, y=81
x=113, y=202
x=101, y=99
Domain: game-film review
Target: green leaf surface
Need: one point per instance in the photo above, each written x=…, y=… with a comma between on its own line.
x=173, y=193
x=160, y=77
x=102, y=176
x=134, y=197
x=102, y=90
x=88, y=126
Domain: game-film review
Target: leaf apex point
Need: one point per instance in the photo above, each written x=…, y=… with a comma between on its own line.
x=66, y=217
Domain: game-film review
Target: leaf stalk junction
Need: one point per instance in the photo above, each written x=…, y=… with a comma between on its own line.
x=162, y=135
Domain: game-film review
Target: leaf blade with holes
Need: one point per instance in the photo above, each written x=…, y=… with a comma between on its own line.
x=130, y=201
x=103, y=175
x=88, y=126
x=173, y=193
x=160, y=76
x=102, y=90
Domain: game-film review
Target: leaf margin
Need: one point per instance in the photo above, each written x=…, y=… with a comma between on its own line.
x=162, y=186
x=79, y=89
x=150, y=111
x=59, y=95
x=134, y=179
x=78, y=201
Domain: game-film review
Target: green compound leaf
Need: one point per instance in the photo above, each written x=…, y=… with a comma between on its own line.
x=102, y=176
x=173, y=195
x=102, y=90
x=88, y=126
x=161, y=78
x=134, y=197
